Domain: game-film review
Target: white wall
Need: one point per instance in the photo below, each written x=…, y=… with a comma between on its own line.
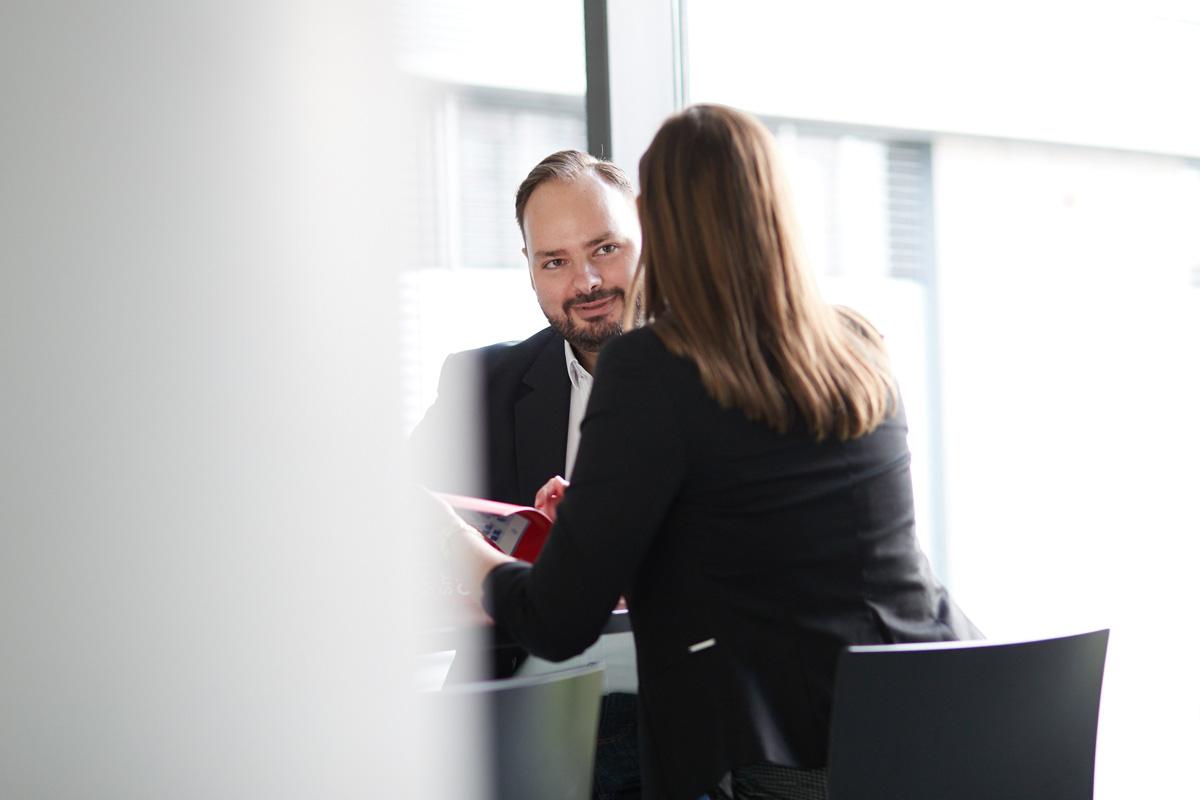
x=1114, y=74
x=527, y=44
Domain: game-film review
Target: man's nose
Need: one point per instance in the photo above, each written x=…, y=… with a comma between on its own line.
x=587, y=277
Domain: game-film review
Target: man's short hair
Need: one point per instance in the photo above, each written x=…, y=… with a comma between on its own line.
x=567, y=165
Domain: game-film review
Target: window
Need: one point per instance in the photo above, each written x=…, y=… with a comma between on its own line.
x=501, y=87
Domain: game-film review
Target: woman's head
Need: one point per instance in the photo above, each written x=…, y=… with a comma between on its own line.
x=716, y=213
x=724, y=279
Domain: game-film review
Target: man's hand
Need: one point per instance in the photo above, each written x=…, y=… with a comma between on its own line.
x=549, y=496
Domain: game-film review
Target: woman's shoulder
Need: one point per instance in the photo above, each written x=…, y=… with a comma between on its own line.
x=642, y=356
x=636, y=346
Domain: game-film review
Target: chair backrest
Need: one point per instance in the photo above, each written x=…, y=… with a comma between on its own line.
x=967, y=720
x=541, y=732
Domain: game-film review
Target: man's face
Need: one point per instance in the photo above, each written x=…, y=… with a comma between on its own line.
x=582, y=240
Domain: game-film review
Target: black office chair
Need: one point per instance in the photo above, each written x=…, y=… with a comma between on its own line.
x=540, y=730
x=967, y=720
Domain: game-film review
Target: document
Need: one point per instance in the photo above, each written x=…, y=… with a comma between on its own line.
x=519, y=531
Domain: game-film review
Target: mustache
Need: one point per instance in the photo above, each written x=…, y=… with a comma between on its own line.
x=598, y=294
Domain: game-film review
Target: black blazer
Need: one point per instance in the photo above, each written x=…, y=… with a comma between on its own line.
x=748, y=559
x=507, y=405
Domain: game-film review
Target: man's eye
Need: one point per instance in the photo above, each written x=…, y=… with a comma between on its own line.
x=553, y=263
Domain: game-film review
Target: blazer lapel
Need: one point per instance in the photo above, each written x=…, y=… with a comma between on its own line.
x=541, y=421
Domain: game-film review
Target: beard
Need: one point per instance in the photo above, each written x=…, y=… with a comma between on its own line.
x=590, y=336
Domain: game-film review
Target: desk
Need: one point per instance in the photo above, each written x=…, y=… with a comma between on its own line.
x=475, y=628
x=483, y=652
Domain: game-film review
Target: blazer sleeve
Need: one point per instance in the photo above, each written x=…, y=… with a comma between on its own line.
x=631, y=465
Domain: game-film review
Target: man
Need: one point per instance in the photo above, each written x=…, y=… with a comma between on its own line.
x=519, y=406
x=579, y=223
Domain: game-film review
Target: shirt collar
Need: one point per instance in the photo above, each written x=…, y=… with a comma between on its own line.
x=575, y=371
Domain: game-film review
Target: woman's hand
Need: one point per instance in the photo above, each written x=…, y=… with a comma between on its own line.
x=549, y=496
x=466, y=554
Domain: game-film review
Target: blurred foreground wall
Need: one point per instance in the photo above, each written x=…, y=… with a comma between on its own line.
x=205, y=586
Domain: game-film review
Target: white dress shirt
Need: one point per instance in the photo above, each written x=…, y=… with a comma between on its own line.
x=581, y=390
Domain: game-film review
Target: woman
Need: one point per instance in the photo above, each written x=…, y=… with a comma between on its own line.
x=742, y=479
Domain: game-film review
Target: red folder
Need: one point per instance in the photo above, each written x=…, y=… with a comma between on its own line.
x=519, y=531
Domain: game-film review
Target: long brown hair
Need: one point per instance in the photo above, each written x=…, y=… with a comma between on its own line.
x=724, y=282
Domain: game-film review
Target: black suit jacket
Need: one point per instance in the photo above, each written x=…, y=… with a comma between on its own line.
x=507, y=405
x=749, y=559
